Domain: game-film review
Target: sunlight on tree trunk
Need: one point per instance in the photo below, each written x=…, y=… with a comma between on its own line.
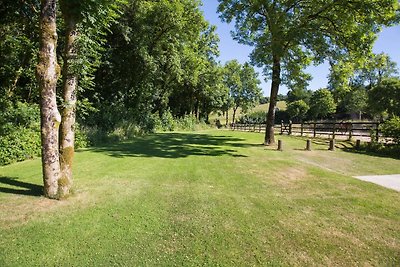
x=47, y=74
x=276, y=80
x=67, y=140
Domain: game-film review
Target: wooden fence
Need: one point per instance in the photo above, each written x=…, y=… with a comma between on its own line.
x=364, y=130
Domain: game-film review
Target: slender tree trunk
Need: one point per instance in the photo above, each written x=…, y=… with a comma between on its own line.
x=67, y=138
x=276, y=80
x=234, y=114
x=227, y=118
x=47, y=75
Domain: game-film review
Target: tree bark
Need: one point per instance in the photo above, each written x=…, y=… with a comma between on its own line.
x=276, y=80
x=234, y=115
x=47, y=74
x=67, y=139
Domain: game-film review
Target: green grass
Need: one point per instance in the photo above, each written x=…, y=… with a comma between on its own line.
x=215, y=198
x=263, y=107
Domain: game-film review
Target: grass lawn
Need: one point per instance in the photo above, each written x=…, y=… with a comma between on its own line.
x=214, y=198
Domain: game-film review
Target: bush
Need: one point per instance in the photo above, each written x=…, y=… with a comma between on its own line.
x=19, y=145
x=391, y=129
x=19, y=133
x=255, y=117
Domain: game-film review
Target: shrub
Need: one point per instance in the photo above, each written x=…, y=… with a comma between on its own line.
x=19, y=133
x=391, y=129
x=255, y=117
x=19, y=144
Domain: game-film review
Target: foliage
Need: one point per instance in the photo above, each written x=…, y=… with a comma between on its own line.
x=243, y=84
x=19, y=45
x=19, y=133
x=376, y=68
x=297, y=110
x=288, y=35
x=322, y=104
x=355, y=101
x=161, y=58
x=299, y=94
x=254, y=117
x=385, y=98
x=391, y=128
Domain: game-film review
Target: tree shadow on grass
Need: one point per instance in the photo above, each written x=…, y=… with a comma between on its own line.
x=19, y=188
x=176, y=145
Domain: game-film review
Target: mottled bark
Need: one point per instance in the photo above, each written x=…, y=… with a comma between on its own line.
x=276, y=80
x=47, y=75
x=67, y=139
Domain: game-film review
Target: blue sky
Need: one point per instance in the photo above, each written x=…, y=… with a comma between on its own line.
x=388, y=42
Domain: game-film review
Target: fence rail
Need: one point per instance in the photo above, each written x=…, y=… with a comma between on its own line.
x=365, y=130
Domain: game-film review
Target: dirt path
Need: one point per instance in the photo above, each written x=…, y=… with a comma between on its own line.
x=389, y=181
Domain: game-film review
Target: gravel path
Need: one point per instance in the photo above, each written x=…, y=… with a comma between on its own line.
x=389, y=181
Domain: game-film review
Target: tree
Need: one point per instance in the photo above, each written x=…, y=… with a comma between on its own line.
x=377, y=68
x=297, y=109
x=288, y=35
x=356, y=101
x=322, y=104
x=243, y=86
x=299, y=94
x=19, y=43
x=81, y=19
x=47, y=74
x=385, y=98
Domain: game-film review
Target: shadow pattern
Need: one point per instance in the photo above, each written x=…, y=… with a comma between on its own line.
x=176, y=145
x=11, y=185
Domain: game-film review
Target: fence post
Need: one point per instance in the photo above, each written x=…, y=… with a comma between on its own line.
x=281, y=127
x=332, y=145
x=315, y=129
x=377, y=132
x=334, y=130
x=302, y=128
x=308, y=146
x=351, y=131
x=254, y=127
x=280, y=145
x=358, y=144
x=290, y=127
x=259, y=128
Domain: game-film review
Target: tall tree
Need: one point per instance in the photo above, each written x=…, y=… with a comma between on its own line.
x=322, y=104
x=243, y=84
x=47, y=75
x=288, y=34
x=81, y=19
x=384, y=99
x=375, y=69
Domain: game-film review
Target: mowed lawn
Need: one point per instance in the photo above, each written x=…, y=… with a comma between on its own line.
x=213, y=198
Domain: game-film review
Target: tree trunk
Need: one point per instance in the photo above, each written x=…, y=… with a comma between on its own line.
x=47, y=74
x=276, y=80
x=227, y=118
x=67, y=140
x=234, y=115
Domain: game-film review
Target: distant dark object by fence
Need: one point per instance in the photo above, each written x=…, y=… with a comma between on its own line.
x=367, y=130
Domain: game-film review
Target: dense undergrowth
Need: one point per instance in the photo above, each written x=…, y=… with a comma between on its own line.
x=20, y=131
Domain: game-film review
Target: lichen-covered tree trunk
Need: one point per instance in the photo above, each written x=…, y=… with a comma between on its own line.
x=276, y=80
x=67, y=140
x=47, y=74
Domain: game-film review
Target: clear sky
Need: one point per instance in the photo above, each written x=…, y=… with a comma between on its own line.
x=387, y=42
